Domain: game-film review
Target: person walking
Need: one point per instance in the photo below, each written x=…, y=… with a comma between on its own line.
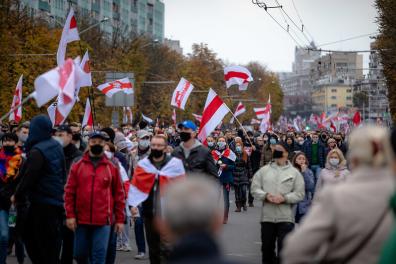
x=241, y=177
x=279, y=186
x=93, y=196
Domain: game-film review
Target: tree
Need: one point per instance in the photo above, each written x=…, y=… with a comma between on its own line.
x=360, y=99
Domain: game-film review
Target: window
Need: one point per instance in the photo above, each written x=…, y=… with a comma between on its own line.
x=333, y=90
x=333, y=105
x=349, y=98
x=334, y=97
x=349, y=90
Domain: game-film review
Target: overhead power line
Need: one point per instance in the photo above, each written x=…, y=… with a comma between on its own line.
x=343, y=40
x=303, y=26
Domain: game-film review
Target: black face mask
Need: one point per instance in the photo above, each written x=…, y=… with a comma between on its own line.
x=277, y=154
x=156, y=153
x=185, y=136
x=76, y=137
x=9, y=149
x=96, y=149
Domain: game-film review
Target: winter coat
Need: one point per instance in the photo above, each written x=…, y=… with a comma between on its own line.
x=388, y=255
x=309, y=180
x=321, y=153
x=255, y=159
x=93, y=195
x=72, y=154
x=341, y=216
x=241, y=170
x=274, y=179
x=226, y=175
x=332, y=175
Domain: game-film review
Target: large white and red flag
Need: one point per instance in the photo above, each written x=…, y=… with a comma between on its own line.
x=237, y=75
x=145, y=175
x=213, y=113
x=197, y=117
x=262, y=112
x=16, y=115
x=88, y=117
x=227, y=153
x=238, y=111
x=181, y=93
x=174, y=117
x=86, y=76
x=69, y=34
x=110, y=88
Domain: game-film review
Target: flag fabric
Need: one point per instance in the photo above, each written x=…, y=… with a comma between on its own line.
x=145, y=175
x=181, y=93
x=254, y=122
x=110, y=88
x=265, y=123
x=124, y=115
x=86, y=76
x=262, y=112
x=16, y=115
x=237, y=75
x=88, y=117
x=174, y=117
x=227, y=153
x=197, y=117
x=147, y=119
x=127, y=115
x=357, y=119
x=69, y=34
x=238, y=111
x=213, y=113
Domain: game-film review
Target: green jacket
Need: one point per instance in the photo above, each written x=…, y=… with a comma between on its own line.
x=388, y=255
x=274, y=179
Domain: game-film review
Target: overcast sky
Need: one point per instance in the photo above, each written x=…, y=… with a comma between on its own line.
x=239, y=32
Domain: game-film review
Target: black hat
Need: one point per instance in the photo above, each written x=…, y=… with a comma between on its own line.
x=64, y=128
x=98, y=134
x=110, y=132
x=10, y=136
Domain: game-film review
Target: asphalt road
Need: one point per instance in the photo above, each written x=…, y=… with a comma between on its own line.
x=240, y=240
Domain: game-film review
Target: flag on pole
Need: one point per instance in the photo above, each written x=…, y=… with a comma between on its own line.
x=147, y=119
x=86, y=76
x=238, y=111
x=213, y=113
x=129, y=115
x=88, y=118
x=69, y=34
x=110, y=88
x=262, y=112
x=181, y=93
x=16, y=115
x=237, y=75
x=174, y=117
x=357, y=119
x=197, y=117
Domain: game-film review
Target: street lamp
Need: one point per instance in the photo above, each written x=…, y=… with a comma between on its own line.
x=94, y=25
x=153, y=42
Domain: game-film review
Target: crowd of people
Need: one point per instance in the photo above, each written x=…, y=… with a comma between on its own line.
x=77, y=191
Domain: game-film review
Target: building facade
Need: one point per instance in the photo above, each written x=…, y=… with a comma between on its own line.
x=127, y=18
x=330, y=97
x=174, y=45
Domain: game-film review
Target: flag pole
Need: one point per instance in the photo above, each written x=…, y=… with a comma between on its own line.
x=17, y=106
x=240, y=124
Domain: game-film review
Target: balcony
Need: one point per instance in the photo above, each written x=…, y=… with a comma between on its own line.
x=96, y=7
x=44, y=6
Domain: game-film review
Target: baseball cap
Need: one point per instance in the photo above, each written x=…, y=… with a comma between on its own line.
x=64, y=128
x=143, y=133
x=99, y=134
x=188, y=124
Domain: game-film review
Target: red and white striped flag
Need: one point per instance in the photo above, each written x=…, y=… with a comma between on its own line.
x=69, y=34
x=181, y=93
x=239, y=111
x=174, y=117
x=254, y=122
x=213, y=113
x=197, y=117
x=16, y=115
x=144, y=177
x=237, y=75
x=110, y=88
x=88, y=117
x=227, y=153
x=262, y=112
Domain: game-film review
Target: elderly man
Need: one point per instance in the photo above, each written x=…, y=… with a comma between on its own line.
x=193, y=221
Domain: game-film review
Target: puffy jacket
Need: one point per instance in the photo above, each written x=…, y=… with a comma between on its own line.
x=309, y=180
x=241, y=171
x=285, y=180
x=307, y=149
x=200, y=160
x=331, y=175
x=94, y=194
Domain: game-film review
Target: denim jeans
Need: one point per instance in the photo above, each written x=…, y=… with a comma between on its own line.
x=4, y=236
x=139, y=233
x=112, y=248
x=316, y=172
x=123, y=238
x=91, y=243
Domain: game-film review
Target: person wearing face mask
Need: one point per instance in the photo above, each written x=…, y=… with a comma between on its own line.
x=42, y=181
x=335, y=171
x=225, y=161
x=150, y=177
x=195, y=156
x=279, y=186
x=64, y=135
x=211, y=142
x=300, y=141
x=94, y=200
x=266, y=153
x=10, y=163
x=22, y=133
x=340, y=143
x=241, y=175
x=77, y=138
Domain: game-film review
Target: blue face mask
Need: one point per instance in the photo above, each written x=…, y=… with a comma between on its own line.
x=210, y=144
x=272, y=141
x=221, y=145
x=238, y=149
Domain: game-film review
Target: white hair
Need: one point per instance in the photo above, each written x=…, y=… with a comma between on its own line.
x=191, y=205
x=370, y=146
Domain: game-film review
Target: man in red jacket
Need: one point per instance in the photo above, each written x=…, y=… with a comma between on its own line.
x=93, y=196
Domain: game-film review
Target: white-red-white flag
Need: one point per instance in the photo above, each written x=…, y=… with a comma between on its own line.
x=88, y=117
x=174, y=117
x=148, y=119
x=262, y=112
x=69, y=34
x=86, y=76
x=197, y=117
x=254, y=122
x=181, y=94
x=213, y=113
x=238, y=111
x=110, y=88
x=237, y=75
x=16, y=115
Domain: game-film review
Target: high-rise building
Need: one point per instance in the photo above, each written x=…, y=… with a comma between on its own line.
x=127, y=18
x=174, y=45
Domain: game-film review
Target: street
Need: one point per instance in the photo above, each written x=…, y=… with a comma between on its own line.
x=240, y=239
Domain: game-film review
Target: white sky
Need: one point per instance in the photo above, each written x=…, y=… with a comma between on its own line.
x=239, y=31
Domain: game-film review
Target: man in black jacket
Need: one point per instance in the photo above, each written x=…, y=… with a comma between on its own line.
x=43, y=180
x=64, y=135
x=195, y=156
